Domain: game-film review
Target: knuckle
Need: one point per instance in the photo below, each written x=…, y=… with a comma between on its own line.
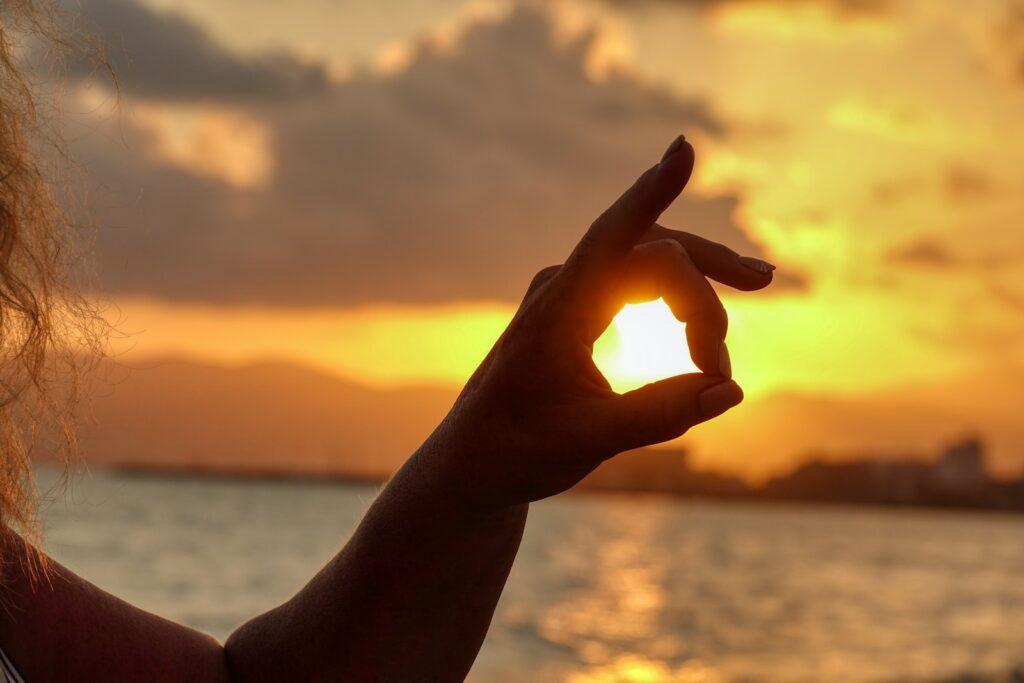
x=543, y=275
x=713, y=318
x=666, y=253
x=671, y=248
x=541, y=280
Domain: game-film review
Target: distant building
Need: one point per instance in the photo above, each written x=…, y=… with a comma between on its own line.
x=657, y=470
x=889, y=482
x=961, y=469
x=956, y=479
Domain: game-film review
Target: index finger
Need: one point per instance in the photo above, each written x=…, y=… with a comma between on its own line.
x=619, y=228
x=717, y=261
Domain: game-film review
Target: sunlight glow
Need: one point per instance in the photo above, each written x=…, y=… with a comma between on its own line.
x=644, y=343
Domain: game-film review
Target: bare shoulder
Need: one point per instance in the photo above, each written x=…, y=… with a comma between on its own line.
x=56, y=626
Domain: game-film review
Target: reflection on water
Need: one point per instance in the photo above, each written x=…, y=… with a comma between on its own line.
x=629, y=669
x=617, y=589
x=622, y=603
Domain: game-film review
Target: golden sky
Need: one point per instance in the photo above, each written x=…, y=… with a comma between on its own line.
x=873, y=155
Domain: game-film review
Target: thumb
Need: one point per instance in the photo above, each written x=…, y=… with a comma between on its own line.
x=666, y=409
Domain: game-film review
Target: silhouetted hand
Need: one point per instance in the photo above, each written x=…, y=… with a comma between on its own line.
x=537, y=415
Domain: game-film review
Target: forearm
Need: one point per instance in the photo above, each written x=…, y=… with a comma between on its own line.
x=410, y=597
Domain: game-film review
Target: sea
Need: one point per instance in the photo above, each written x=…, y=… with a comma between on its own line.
x=606, y=588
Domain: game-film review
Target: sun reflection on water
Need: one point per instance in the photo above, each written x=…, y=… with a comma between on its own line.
x=632, y=669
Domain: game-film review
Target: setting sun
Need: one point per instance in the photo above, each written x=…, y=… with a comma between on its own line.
x=644, y=343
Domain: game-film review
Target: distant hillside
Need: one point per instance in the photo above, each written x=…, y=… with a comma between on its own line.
x=770, y=434
x=277, y=418
x=265, y=418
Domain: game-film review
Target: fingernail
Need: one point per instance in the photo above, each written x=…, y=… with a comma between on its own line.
x=676, y=145
x=717, y=399
x=756, y=264
x=724, y=363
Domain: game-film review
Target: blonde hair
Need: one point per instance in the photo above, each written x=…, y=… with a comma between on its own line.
x=47, y=329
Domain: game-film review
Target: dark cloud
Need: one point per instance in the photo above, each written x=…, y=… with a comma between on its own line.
x=164, y=55
x=895, y=190
x=455, y=178
x=1008, y=39
x=1007, y=295
x=995, y=270
x=957, y=182
x=964, y=183
x=842, y=9
x=926, y=252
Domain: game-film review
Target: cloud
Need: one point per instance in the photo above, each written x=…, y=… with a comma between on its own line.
x=163, y=55
x=1001, y=48
x=454, y=178
x=841, y=9
x=925, y=252
x=965, y=183
x=1010, y=35
x=957, y=182
x=997, y=273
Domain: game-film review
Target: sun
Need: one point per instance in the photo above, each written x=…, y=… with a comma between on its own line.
x=644, y=343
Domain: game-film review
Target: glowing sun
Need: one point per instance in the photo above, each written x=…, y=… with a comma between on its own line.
x=644, y=343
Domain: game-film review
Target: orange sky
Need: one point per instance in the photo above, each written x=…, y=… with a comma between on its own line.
x=874, y=157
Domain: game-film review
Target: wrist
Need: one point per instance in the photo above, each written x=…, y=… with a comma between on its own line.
x=448, y=464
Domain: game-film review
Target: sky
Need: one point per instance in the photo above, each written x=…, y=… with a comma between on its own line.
x=366, y=189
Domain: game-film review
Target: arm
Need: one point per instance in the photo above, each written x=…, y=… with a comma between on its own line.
x=55, y=626
x=411, y=596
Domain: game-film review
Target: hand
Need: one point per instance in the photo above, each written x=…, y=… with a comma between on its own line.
x=537, y=416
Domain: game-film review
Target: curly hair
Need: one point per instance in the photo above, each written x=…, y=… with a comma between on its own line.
x=47, y=328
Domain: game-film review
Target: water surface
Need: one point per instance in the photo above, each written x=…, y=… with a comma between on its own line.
x=605, y=589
